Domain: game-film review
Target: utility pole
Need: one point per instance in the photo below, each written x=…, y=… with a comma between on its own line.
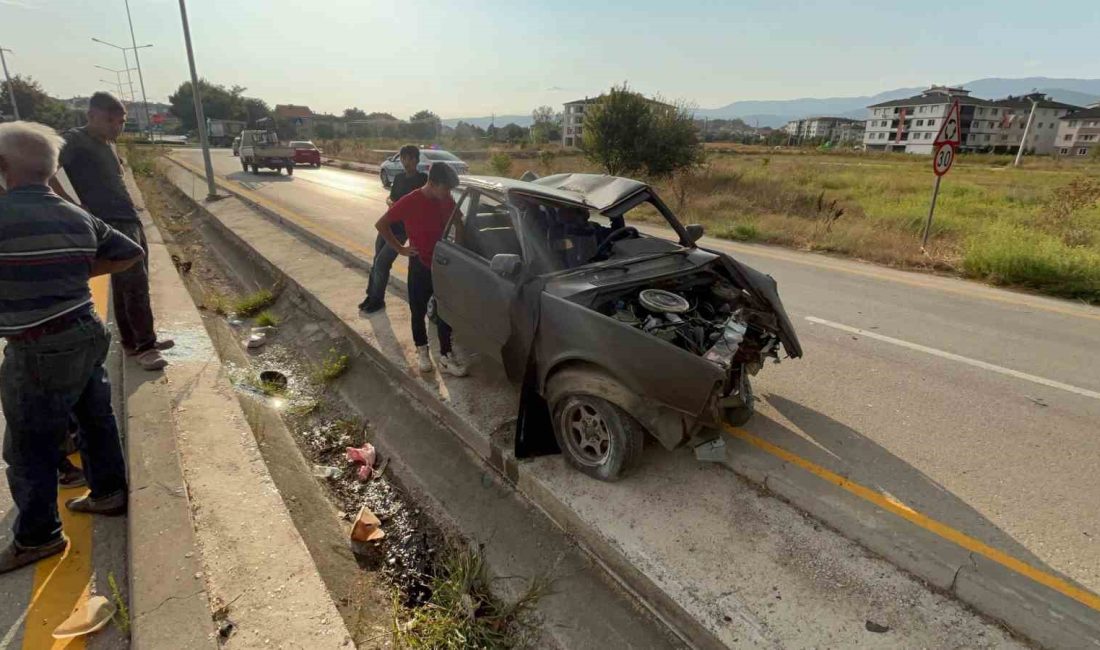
x=11, y=86
x=196, y=94
x=141, y=79
x=118, y=85
x=118, y=77
x=1027, y=129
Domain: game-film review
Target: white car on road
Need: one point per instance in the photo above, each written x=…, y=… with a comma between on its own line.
x=428, y=157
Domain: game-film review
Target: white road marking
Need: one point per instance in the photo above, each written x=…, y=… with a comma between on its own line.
x=1042, y=381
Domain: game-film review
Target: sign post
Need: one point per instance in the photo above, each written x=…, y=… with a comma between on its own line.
x=943, y=156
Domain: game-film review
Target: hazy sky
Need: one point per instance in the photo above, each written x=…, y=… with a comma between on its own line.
x=476, y=57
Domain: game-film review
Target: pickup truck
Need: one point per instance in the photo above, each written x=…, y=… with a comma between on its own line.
x=262, y=149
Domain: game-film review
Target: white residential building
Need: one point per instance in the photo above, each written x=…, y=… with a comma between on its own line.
x=834, y=129
x=1079, y=132
x=572, y=119
x=911, y=124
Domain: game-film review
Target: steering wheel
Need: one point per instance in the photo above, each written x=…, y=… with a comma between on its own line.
x=612, y=237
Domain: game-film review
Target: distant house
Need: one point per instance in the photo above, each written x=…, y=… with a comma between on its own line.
x=572, y=127
x=299, y=117
x=1079, y=132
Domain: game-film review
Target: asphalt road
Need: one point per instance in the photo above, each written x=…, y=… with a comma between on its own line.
x=973, y=405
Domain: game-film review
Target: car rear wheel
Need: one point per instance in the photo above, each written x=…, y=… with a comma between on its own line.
x=597, y=437
x=739, y=415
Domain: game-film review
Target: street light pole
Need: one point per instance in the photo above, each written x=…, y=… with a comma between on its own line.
x=196, y=94
x=141, y=79
x=11, y=86
x=126, y=60
x=1027, y=129
x=118, y=76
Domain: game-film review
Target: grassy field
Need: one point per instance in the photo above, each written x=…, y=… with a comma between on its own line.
x=1036, y=226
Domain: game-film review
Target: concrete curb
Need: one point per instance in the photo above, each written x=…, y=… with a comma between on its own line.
x=169, y=607
x=1028, y=607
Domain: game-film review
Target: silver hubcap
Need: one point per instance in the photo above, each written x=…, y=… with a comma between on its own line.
x=586, y=433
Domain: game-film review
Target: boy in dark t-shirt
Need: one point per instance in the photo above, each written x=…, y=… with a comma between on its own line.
x=424, y=213
x=407, y=181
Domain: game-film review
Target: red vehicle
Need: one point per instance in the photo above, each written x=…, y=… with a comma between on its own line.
x=306, y=153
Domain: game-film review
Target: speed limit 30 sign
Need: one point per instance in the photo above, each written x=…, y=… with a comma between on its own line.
x=942, y=159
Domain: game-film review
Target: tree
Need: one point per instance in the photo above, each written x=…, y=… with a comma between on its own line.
x=354, y=114
x=218, y=102
x=424, y=125
x=324, y=130
x=466, y=132
x=382, y=116
x=626, y=134
x=255, y=109
x=34, y=104
x=546, y=125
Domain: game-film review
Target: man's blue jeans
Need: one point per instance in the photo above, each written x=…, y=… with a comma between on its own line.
x=384, y=256
x=41, y=382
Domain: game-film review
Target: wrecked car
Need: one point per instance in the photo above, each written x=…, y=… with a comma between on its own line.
x=612, y=333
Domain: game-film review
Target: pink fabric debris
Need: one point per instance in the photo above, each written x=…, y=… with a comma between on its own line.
x=363, y=457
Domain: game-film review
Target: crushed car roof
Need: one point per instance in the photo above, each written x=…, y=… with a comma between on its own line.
x=595, y=191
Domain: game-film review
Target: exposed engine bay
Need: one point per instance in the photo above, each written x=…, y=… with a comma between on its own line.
x=704, y=314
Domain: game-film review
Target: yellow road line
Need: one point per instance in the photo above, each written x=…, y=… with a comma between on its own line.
x=316, y=227
x=938, y=528
x=62, y=583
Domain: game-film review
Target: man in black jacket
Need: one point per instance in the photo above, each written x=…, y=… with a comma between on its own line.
x=384, y=255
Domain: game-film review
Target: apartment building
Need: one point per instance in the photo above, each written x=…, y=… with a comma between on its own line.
x=837, y=130
x=1079, y=132
x=572, y=120
x=995, y=126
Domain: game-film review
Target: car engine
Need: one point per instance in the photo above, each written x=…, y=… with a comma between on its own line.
x=703, y=314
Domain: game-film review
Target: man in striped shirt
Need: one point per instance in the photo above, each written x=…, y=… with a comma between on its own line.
x=56, y=346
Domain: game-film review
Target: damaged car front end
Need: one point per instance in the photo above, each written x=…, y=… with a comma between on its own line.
x=614, y=334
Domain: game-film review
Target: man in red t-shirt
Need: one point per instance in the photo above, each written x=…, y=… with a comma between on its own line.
x=424, y=213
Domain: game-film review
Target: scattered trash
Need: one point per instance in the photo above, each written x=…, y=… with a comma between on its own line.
x=90, y=617
x=876, y=628
x=234, y=320
x=364, y=457
x=1038, y=400
x=712, y=451
x=274, y=379
x=266, y=330
x=256, y=340
x=327, y=471
x=183, y=266
x=367, y=527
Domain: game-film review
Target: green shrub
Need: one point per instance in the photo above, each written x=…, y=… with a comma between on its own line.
x=1013, y=255
x=254, y=303
x=501, y=163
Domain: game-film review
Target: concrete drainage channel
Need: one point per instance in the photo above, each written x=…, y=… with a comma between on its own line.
x=310, y=391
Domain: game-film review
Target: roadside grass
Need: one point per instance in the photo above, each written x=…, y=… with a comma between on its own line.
x=142, y=158
x=122, y=612
x=332, y=367
x=463, y=613
x=267, y=319
x=253, y=303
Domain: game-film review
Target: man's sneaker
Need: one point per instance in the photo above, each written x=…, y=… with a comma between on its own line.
x=371, y=307
x=451, y=365
x=424, y=359
x=110, y=506
x=162, y=344
x=70, y=476
x=151, y=360
x=16, y=556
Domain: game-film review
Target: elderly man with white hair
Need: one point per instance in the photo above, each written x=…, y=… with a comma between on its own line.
x=56, y=345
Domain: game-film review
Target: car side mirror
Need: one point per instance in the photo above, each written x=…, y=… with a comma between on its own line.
x=694, y=232
x=506, y=265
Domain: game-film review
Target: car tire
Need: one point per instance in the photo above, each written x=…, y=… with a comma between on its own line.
x=738, y=416
x=255, y=168
x=290, y=170
x=316, y=165
x=382, y=176
x=597, y=437
x=244, y=166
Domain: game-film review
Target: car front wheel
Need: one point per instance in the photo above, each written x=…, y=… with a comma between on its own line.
x=597, y=437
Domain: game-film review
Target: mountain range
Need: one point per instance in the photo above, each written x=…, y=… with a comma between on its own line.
x=1080, y=92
